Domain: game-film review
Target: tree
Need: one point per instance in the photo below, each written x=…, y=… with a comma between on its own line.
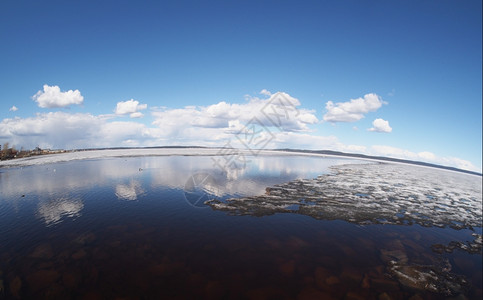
x=7, y=152
x=4, y=152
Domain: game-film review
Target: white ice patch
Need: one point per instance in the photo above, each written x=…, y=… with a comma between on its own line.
x=375, y=193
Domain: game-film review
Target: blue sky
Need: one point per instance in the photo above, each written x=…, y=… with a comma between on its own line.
x=420, y=61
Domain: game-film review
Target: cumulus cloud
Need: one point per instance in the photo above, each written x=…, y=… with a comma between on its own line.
x=211, y=125
x=279, y=117
x=52, y=97
x=136, y=115
x=279, y=112
x=353, y=110
x=265, y=92
x=425, y=156
x=380, y=125
x=393, y=152
x=13, y=108
x=307, y=141
x=70, y=131
x=459, y=163
x=131, y=107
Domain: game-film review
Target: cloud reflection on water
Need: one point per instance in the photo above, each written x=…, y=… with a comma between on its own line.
x=52, y=211
x=129, y=191
x=128, y=177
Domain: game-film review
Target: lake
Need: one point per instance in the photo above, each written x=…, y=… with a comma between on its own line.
x=262, y=227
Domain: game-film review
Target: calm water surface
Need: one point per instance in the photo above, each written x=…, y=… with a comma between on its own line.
x=138, y=228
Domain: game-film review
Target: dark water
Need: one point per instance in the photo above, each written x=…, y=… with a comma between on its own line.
x=137, y=228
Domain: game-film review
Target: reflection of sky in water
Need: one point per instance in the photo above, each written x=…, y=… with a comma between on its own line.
x=128, y=191
x=136, y=212
x=52, y=211
x=61, y=187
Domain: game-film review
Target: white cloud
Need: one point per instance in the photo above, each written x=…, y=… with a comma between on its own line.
x=393, y=152
x=52, y=97
x=68, y=131
x=306, y=141
x=265, y=92
x=380, y=125
x=425, y=156
x=353, y=110
x=136, y=115
x=13, y=108
x=279, y=112
x=355, y=149
x=428, y=156
x=131, y=107
x=212, y=125
x=459, y=163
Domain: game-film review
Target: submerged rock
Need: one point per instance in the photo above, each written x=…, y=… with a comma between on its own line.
x=311, y=293
x=473, y=247
x=71, y=279
x=79, y=254
x=42, y=279
x=382, y=193
x=287, y=268
x=436, y=278
x=85, y=238
x=332, y=280
x=15, y=286
x=43, y=251
x=384, y=296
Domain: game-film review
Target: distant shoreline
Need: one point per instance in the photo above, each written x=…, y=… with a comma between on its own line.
x=93, y=153
x=380, y=158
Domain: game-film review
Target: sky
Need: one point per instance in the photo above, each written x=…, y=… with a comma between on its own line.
x=390, y=78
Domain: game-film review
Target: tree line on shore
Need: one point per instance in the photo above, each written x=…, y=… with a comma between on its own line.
x=10, y=152
x=7, y=152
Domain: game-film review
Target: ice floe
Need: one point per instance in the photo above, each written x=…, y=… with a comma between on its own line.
x=376, y=193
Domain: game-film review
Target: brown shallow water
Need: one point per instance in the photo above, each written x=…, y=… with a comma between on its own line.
x=127, y=229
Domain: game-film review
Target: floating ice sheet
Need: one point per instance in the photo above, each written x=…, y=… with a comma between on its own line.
x=376, y=193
